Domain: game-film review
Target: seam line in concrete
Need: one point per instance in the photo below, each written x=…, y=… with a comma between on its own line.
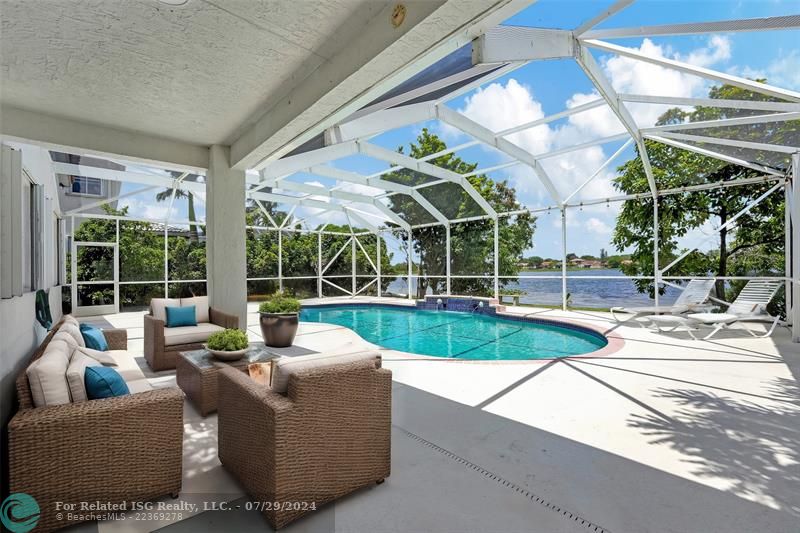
x=506, y=483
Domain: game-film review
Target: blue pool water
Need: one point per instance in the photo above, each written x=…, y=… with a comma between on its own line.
x=456, y=335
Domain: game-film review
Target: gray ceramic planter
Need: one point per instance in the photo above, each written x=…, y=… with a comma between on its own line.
x=279, y=329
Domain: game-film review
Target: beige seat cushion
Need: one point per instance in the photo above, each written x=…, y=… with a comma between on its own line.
x=47, y=376
x=75, y=375
x=126, y=365
x=101, y=357
x=158, y=306
x=200, y=304
x=283, y=367
x=73, y=331
x=138, y=385
x=190, y=334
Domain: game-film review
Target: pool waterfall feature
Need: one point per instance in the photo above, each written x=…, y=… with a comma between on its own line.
x=458, y=327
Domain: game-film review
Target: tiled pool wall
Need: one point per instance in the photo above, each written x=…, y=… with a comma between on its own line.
x=464, y=304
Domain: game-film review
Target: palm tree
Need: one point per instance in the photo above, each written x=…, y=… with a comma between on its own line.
x=180, y=193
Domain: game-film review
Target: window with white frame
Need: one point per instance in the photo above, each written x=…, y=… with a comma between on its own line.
x=83, y=186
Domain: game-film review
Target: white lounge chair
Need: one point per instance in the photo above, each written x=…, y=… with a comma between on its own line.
x=692, y=298
x=749, y=306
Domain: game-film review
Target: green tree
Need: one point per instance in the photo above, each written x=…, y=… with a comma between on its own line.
x=754, y=246
x=472, y=243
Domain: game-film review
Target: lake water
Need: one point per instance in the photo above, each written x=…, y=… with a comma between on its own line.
x=586, y=292
x=537, y=289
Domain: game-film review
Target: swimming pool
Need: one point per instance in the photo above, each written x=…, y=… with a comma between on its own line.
x=457, y=335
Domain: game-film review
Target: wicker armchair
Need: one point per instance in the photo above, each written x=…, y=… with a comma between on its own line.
x=160, y=356
x=122, y=449
x=330, y=435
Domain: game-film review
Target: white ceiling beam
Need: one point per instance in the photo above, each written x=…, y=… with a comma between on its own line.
x=361, y=220
x=788, y=22
x=483, y=80
x=419, y=92
x=521, y=43
x=353, y=177
x=711, y=102
x=737, y=121
x=472, y=128
x=318, y=190
x=599, y=170
x=379, y=122
x=295, y=201
x=82, y=138
x=583, y=146
x=125, y=176
x=295, y=163
x=597, y=19
x=376, y=60
x=731, y=142
x=603, y=86
x=86, y=207
x=703, y=72
x=716, y=155
x=405, y=161
x=556, y=116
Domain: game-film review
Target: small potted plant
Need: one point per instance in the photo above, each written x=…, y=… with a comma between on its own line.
x=279, y=319
x=228, y=345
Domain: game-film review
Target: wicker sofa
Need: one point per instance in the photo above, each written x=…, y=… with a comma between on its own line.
x=122, y=449
x=327, y=436
x=162, y=344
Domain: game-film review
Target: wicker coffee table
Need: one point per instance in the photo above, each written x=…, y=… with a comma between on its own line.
x=196, y=373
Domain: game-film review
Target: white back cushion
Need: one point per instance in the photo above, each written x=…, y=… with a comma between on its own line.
x=158, y=306
x=75, y=375
x=200, y=304
x=69, y=319
x=283, y=367
x=47, y=376
x=73, y=331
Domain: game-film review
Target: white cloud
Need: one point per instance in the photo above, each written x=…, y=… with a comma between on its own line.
x=784, y=71
x=148, y=210
x=499, y=107
x=595, y=225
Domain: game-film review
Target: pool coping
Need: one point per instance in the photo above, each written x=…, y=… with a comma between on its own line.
x=614, y=341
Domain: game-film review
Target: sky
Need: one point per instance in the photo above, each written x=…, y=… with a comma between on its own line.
x=542, y=88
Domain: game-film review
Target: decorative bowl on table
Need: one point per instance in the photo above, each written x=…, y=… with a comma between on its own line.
x=225, y=355
x=228, y=345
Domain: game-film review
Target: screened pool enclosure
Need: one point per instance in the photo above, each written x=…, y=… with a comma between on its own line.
x=348, y=214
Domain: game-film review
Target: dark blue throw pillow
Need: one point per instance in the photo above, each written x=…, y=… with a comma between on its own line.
x=94, y=338
x=104, y=382
x=181, y=316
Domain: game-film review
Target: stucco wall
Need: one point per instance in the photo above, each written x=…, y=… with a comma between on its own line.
x=20, y=334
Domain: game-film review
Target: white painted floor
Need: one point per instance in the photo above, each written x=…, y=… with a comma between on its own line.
x=720, y=417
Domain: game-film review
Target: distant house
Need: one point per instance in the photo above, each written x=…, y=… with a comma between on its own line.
x=77, y=191
x=586, y=263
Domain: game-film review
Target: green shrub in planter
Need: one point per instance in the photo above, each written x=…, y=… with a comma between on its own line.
x=280, y=303
x=229, y=340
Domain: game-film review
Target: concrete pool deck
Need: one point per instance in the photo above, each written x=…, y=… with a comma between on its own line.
x=666, y=434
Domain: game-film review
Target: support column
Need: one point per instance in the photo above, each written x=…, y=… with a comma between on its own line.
x=410, y=247
x=378, y=263
x=280, y=260
x=319, y=264
x=795, y=229
x=497, y=258
x=353, y=261
x=226, y=269
x=563, y=258
x=656, y=266
x=447, y=257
